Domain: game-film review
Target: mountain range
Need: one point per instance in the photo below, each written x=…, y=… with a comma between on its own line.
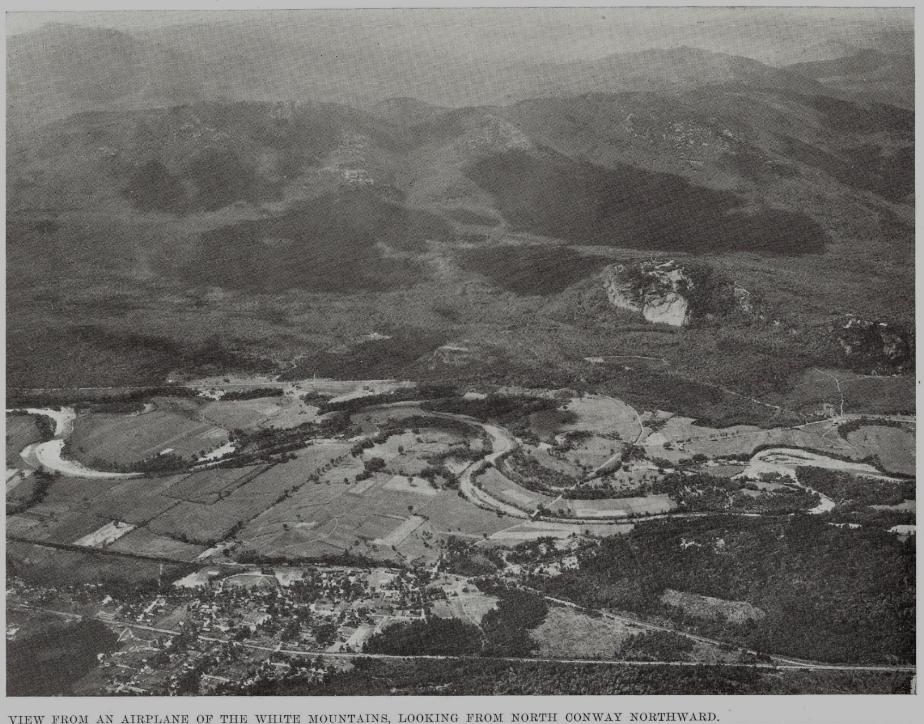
x=269, y=200
x=61, y=69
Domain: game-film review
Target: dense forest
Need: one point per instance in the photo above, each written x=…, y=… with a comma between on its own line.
x=830, y=593
x=492, y=677
x=842, y=486
x=48, y=662
x=504, y=630
x=435, y=636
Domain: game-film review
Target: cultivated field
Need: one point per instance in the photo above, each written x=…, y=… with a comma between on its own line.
x=126, y=439
x=533, y=530
x=605, y=415
x=55, y=567
x=143, y=541
x=374, y=517
x=501, y=487
x=209, y=485
x=21, y=430
x=284, y=411
x=688, y=438
x=208, y=523
x=107, y=534
x=894, y=446
x=621, y=507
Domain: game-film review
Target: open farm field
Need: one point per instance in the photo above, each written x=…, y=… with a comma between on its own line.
x=53, y=523
x=284, y=411
x=409, y=484
x=571, y=634
x=592, y=451
x=21, y=430
x=346, y=469
x=105, y=535
x=604, y=415
x=377, y=416
x=500, y=487
x=142, y=541
x=426, y=441
x=465, y=603
x=75, y=510
x=55, y=567
x=895, y=447
x=135, y=501
x=786, y=461
x=710, y=607
x=21, y=526
x=370, y=516
x=127, y=439
x=21, y=487
x=450, y=514
x=208, y=486
x=554, y=462
x=690, y=439
x=724, y=471
x=534, y=530
x=209, y=523
x=622, y=507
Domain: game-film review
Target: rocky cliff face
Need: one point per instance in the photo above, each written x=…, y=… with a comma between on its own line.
x=876, y=346
x=667, y=292
x=655, y=290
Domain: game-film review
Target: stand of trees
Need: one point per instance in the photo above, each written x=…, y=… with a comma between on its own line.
x=830, y=593
x=842, y=486
x=487, y=677
x=437, y=636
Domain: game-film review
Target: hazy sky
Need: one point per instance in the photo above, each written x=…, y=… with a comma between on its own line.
x=538, y=33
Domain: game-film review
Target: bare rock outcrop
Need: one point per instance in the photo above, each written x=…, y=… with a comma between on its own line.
x=877, y=346
x=668, y=292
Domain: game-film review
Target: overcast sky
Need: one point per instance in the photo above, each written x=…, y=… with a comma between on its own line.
x=534, y=34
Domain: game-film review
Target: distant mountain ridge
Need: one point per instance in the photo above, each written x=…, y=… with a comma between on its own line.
x=866, y=73
x=61, y=69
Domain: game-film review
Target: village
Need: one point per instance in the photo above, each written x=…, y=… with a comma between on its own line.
x=211, y=632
